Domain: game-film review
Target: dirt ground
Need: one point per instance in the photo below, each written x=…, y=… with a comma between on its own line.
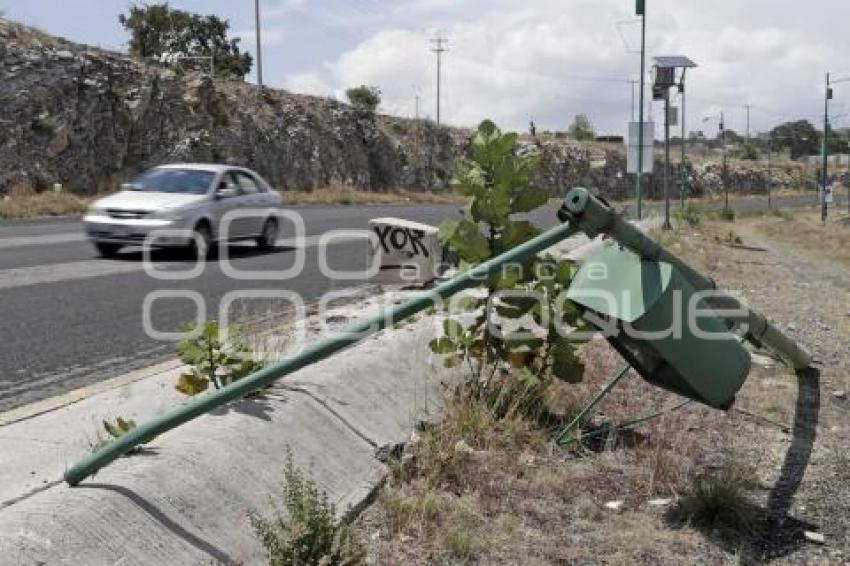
x=505, y=494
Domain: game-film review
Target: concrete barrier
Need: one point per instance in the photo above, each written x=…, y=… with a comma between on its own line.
x=410, y=248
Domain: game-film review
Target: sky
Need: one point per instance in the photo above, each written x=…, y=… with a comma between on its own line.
x=516, y=61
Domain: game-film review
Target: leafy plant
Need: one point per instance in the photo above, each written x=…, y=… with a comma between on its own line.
x=306, y=531
x=498, y=185
x=115, y=430
x=689, y=214
x=212, y=359
x=727, y=214
x=364, y=97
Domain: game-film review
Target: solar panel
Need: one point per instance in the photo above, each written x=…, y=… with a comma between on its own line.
x=667, y=61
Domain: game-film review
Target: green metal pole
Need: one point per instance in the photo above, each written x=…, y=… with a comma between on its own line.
x=319, y=351
x=585, y=413
x=825, y=177
x=641, y=11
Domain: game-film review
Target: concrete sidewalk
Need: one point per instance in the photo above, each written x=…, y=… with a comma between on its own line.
x=186, y=498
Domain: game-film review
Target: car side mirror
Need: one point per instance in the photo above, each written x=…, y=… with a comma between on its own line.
x=224, y=191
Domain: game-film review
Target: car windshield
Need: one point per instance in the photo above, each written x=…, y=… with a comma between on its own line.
x=188, y=181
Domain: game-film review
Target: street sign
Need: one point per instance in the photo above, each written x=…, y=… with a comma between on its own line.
x=640, y=7
x=634, y=142
x=673, y=116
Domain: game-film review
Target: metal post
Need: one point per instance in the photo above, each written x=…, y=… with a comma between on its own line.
x=769, y=171
x=439, y=48
x=259, y=44
x=825, y=176
x=684, y=174
x=667, y=225
x=725, y=172
x=640, y=111
x=312, y=354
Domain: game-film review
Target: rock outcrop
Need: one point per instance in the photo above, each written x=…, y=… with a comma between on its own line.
x=88, y=118
x=85, y=117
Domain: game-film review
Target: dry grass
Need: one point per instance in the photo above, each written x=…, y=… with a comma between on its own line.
x=478, y=488
x=19, y=204
x=350, y=196
x=804, y=233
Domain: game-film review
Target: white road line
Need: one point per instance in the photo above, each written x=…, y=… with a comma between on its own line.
x=24, y=276
x=47, y=239
x=68, y=237
x=54, y=273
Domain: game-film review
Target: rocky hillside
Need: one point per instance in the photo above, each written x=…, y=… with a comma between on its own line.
x=88, y=118
x=84, y=117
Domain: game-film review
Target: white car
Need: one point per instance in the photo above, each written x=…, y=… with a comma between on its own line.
x=184, y=205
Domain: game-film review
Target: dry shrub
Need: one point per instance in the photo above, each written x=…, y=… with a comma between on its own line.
x=349, y=195
x=718, y=499
x=21, y=204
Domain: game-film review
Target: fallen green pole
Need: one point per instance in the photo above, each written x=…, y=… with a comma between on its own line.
x=351, y=335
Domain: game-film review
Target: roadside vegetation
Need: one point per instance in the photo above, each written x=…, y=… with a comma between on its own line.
x=486, y=482
x=353, y=196
x=29, y=204
x=304, y=528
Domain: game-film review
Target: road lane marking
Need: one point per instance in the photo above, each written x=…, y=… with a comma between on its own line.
x=54, y=273
x=45, y=240
x=25, y=276
x=71, y=237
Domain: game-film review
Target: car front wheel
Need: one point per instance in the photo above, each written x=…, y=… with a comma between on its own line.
x=268, y=236
x=106, y=249
x=201, y=241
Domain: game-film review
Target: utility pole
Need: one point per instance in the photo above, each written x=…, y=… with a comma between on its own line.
x=416, y=99
x=747, y=107
x=684, y=173
x=769, y=171
x=725, y=171
x=640, y=10
x=826, y=98
x=259, y=44
x=439, y=48
x=667, y=225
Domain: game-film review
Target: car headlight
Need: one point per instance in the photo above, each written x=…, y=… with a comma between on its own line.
x=96, y=211
x=170, y=215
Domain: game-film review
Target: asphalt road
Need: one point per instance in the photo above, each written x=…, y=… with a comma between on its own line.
x=69, y=318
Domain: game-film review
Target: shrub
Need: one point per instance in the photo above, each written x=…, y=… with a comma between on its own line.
x=212, y=359
x=727, y=214
x=306, y=531
x=498, y=184
x=717, y=499
x=689, y=214
x=364, y=97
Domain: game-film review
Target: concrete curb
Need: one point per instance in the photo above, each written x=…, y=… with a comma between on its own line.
x=54, y=403
x=186, y=498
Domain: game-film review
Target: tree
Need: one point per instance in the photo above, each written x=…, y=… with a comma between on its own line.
x=582, y=128
x=364, y=97
x=169, y=35
x=800, y=136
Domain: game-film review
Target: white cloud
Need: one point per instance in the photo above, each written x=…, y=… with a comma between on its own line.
x=516, y=60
